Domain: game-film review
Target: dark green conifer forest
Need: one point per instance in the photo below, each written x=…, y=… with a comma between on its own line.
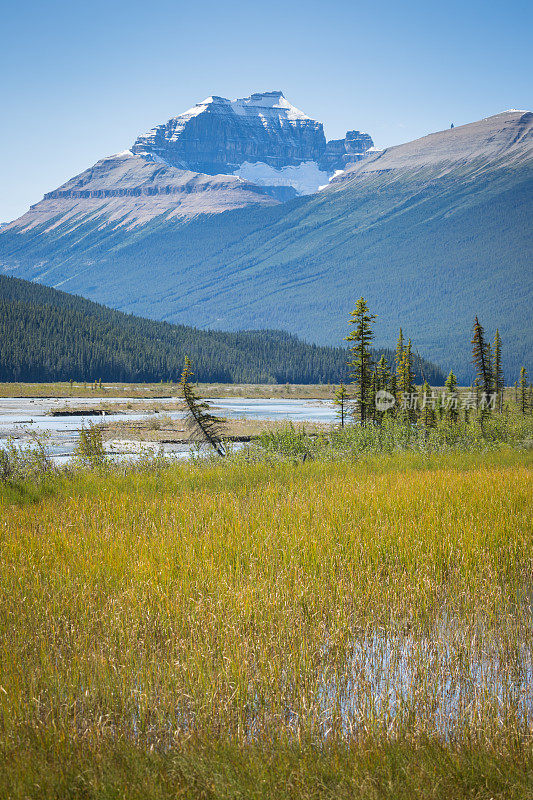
x=48, y=335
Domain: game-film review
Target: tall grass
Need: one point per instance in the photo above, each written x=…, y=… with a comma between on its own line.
x=265, y=630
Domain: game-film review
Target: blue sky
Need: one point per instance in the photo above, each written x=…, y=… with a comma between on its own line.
x=80, y=80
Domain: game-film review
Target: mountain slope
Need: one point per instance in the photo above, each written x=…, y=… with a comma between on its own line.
x=49, y=335
x=128, y=190
x=431, y=233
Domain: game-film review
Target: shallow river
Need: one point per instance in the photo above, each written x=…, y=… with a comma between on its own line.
x=22, y=417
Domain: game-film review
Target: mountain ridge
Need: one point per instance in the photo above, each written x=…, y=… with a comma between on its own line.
x=151, y=189
x=501, y=135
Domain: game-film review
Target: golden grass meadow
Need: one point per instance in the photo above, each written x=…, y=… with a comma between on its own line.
x=320, y=629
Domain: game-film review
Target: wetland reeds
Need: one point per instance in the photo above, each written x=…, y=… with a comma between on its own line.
x=234, y=628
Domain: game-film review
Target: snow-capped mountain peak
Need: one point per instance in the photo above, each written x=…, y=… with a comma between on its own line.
x=219, y=155
x=262, y=137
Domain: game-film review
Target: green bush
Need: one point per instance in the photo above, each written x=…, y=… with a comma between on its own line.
x=25, y=463
x=89, y=451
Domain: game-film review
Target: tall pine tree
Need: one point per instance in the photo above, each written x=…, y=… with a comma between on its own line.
x=361, y=362
x=428, y=416
x=382, y=382
x=497, y=370
x=341, y=401
x=383, y=373
x=398, y=361
x=451, y=397
x=406, y=385
x=199, y=419
x=482, y=361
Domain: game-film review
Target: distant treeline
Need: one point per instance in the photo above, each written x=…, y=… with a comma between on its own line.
x=48, y=335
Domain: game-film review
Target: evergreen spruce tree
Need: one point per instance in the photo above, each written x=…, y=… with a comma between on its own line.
x=522, y=390
x=200, y=420
x=406, y=386
x=497, y=370
x=383, y=374
x=372, y=397
x=382, y=382
x=490, y=361
x=400, y=346
x=451, y=392
x=426, y=406
x=361, y=363
x=393, y=389
x=482, y=361
x=341, y=401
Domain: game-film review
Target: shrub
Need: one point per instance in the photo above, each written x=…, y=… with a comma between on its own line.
x=19, y=463
x=89, y=451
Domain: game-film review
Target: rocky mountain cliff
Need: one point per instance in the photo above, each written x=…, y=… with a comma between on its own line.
x=340, y=153
x=220, y=135
x=262, y=139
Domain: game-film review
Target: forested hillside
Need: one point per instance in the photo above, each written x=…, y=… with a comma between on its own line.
x=47, y=335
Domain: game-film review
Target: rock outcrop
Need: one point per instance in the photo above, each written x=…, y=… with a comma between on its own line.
x=128, y=190
x=341, y=152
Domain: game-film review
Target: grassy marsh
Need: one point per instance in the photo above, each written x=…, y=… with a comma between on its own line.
x=280, y=629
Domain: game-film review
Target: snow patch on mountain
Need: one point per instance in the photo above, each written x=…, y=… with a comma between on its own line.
x=305, y=178
x=268, y=104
